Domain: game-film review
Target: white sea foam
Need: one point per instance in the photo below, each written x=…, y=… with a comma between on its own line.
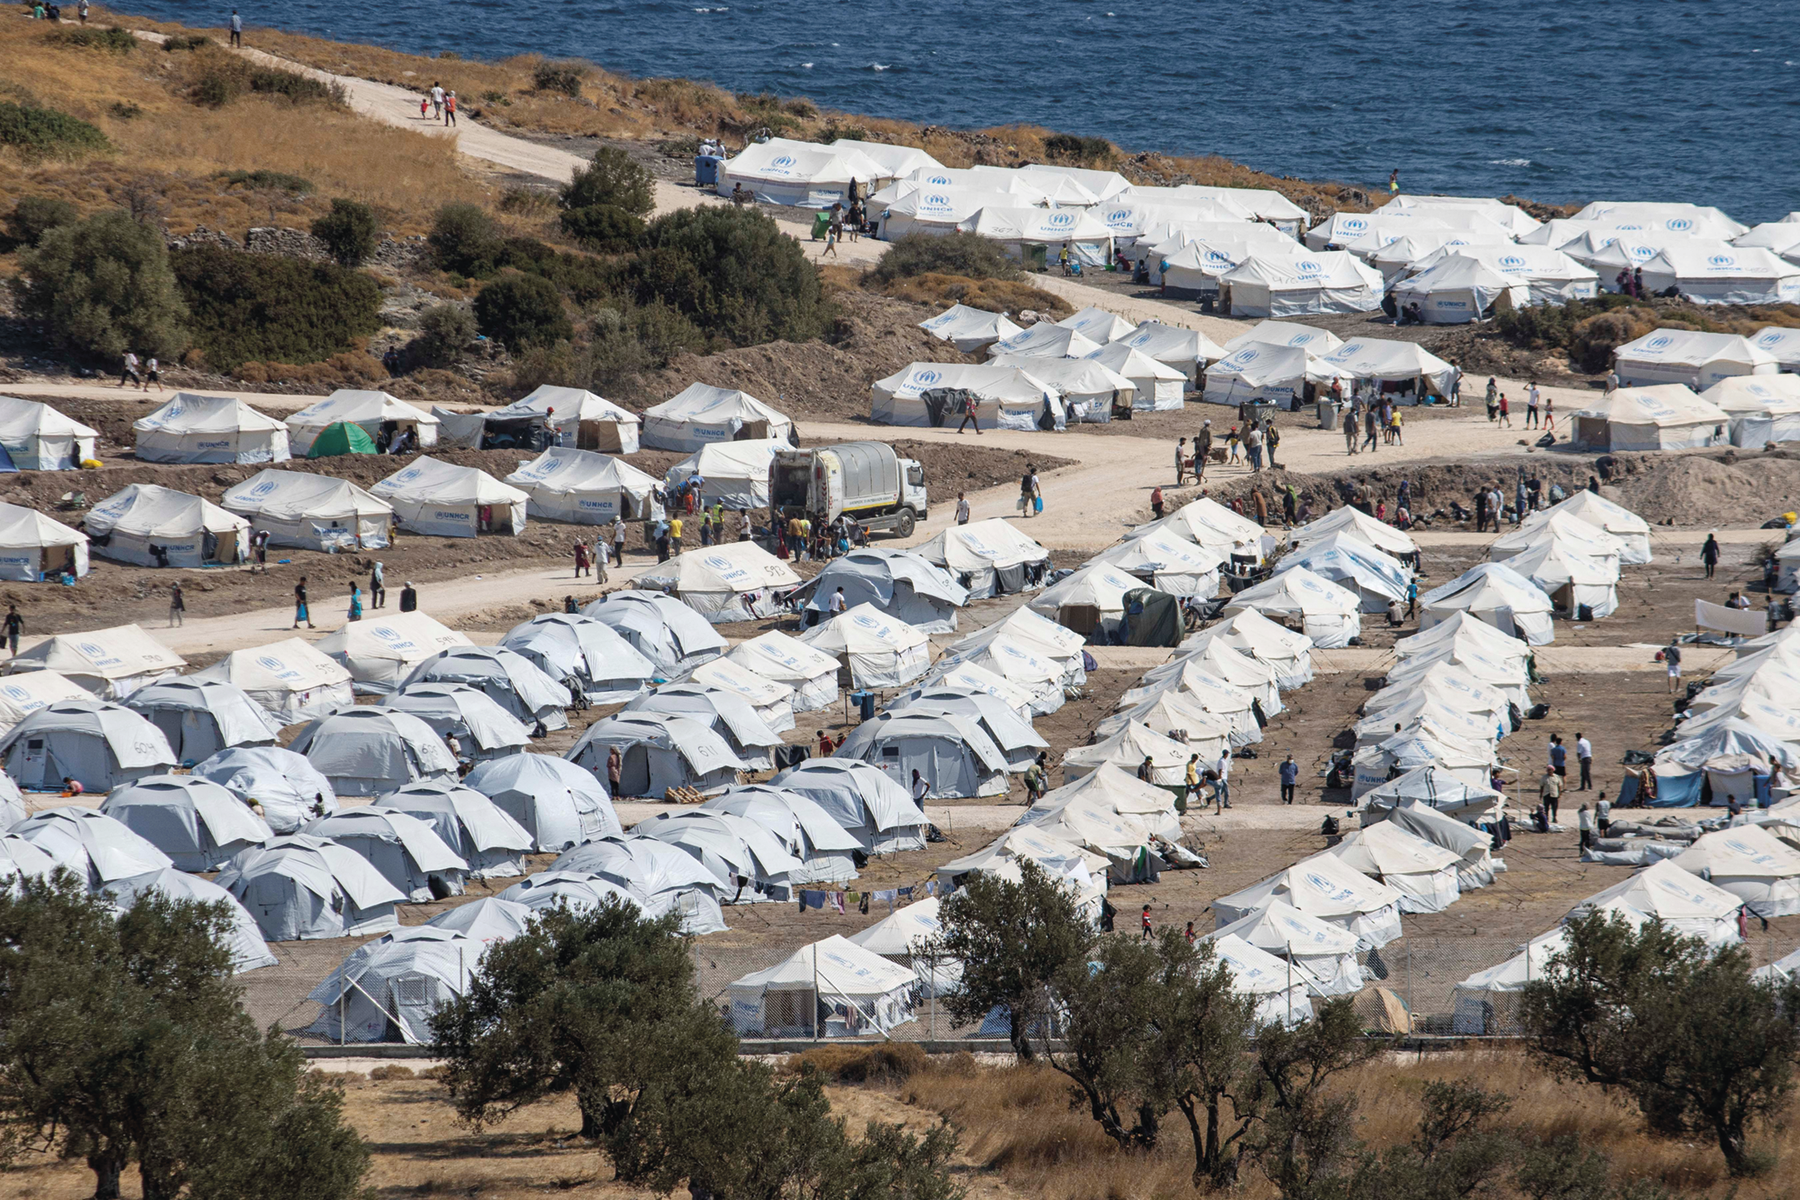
x=806, y=66
x=880, y=66
x=1509, y=162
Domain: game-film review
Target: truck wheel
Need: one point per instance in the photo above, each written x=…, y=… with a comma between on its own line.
x=904, y=526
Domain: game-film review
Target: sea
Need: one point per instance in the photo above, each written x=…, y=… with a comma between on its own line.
x=1554, y=100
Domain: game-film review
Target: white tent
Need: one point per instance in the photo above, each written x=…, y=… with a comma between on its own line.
x=832, y=988
x=1631, y=531
x=1012, y=733
x=969, y=329
x=1186, y=350
x=1310, y=338
x=1026, y=232
x=511, y=680
x=914, y=207
x=989, y=558
x=21, y=695
x=34, y=548
x=1275, y=987
x=1172, y=711
x=582, y=487
x=1580, y=586
x=736, y=581
x=825, y=849
x=1752, y=864
x=1487, y=1002
x=1268, y=374
x=19, y=859
x=381, y=652
x=1166, y=562
x=100, y=744
x=900, y=583
x=1045, y=340
x=1762, y=408
x=1460, y=288
x=812, y=674
x=1347, y=560
x=556, y=802
x=96, y=848
x=1197, y=267
x=905, y=937
x=439, y=498
x=153, y=526
x=735, y=474
x=569, y=646
x=482, y=728
x=1098, y=588
x=803, y=174
x=315, y=512
x=658, y=877
x=580, y=419
x=704, y=414
x=1424, y=873
x=1127, y=749
x=110, y=663
x=951, y=754
x=1102, y=185
x=1155, y=386
x=1083, y=872
x=872, y=648
x=748, y=863
x=662, y=628
x=286, y=788
x=1206, y=522
x=725, y=713
x=1689, y=357
x=1005, y=397
x=1328, y=888
x=1017, y=667
x=476, y=829
x=1323, y=955
x=201, y=717
x=1041, y=636
x=38, y=438
x=896, y=162
x=1780, y=343
x=368, y=410
x=772, y=702
x=1291, y=284
x=242, y=938
x=290, y=679
x=1098, y=325
x=307, y=887
x=1362, y=526
x=405, y=850
x=1089, y=390
x=209, y=429
x=367, y=751
x=1476, y=864
x=875, y=809
x=1403, y=371
x=1660, y=417
x=196, y=822
x=388, y=990
x=658, y=752
x=1115, y=791
x=1198, y=686
x=1685, y=903
x=1495, y=594
x=1212, y=655
x=1516, y=221
x=1432, y=788
x=1328, y=613
x=1704, y=275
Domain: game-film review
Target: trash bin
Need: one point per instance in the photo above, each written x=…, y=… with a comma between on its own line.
x=821, y=223
x=1328, y=415
x=706, y=170
x=865, y=704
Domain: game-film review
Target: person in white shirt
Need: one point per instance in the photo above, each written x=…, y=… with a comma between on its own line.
x=835, y=604
x=237, y=25
x=1584, y=754
x=437, y=102
x=618, y=537
x=919, y=788
x=130, y=370
x=1222, y=769
x=962, y=509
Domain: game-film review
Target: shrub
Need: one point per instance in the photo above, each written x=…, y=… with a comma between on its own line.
x=126, y=110
x=614, y=180
x=834, y=131
x=564, y=77
x=265, y=308
x=194, y=41
x=279, y=181
x=43, y=132
x=225, y=78
x=103, y=286
x=348, y=230
x=465, y=240
x=520, y=311
x=1079, y=151
x=603, y=227
x=965, y=254
x=34, y=216
x=528, y=201
x=890, y=1062
x=87, y=37
x=734, y=274
x=445, y=331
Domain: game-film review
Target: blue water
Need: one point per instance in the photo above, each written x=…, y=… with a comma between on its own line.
x=1557, y=100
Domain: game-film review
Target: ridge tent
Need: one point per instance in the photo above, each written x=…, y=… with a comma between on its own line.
x=444, y=500
x=1280, y=375
x=556, y=802
x=896, y=162
x=951, y=753
x=109, y=663
x=1013, y=734
x=1127, y=749
x=340, y=439
x=1325, y=887
x=97, y=848
x=388, y=990
x=1217, y=658
x=658, y=877
x=1102, y=185
x=826, y=851
x=1328, y=612
x=1083, y=872
x=735, y=474
x=1402, y=257
x=482, y=728
x=1687, y=904
x=702, y=414
x=736, y=581
x=209, y=429
x=371, y=411
x=900, y=583
x=772, y=702
x=910, y=206
x=579, y=891
x=1448, y=685
x=1029, y=233
x=1661, y=417
x=1488, y=1002
x=1424, y=873
x=1401, y=371
x=1476, y=864
x=476, y=830
x=1437, y=790
x=923, y=394
x=1350, y=562
x=22, y=695
x=1117, y=792
x=1017, y=666
x=1358, y=524
x=905, y=937
x=1172, y=712
x=1310, y=338
x=1779, y=237
x=1581, y=587
x=1040, y=635
x=1089, y=390
x=402, y=848
x=1323, y=955
x=1290, y=284
x=1752, y=864
x=1090, y=600
x=38, y=438
x=658, y=752
x=201, y=717
x=959, y=673
x=508, y=678
x=1196, y=268
x=989, y=558
x=302, y=887
x=749, y=864
x=34, y=548
x=584, y=488
x=1206, y=522
x=570, y=646
x=196, y=822
x=1198, y=686
x=725, y=713
x=1155, y=387
x=873, y=650
x=1688, y=357
x=101, y=745
x=1460, y=288
x=381, y=653
x=1185, y=350
x=970, y=330
x=315, y=512
x=1399, y=221
x=1515, y=220
x=241, y=936
x=1762, y=408
x=1733, y=758
x=1781, y=344
x=1733, y=275
x=812, y=674
x=1496, y=595
x=1097, y=325
x=580, y=419
x=1133, y=852
x=870, y=805
x=286, y=788
x=1043, y=340
x=488, y=920
x=832, y=988
x=1426, y=743
x=1631, y=531
x=661, y=628
x=802, y=174
x=1287, y=653
x=998, y=182
x=151, y=526
x=288, y=679
x=1167, y=563
x=367, y=751
x=1462, y=630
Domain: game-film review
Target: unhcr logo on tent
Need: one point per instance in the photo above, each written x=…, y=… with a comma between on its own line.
x=1355, y=223
x=264, y=488
x=718, y=562
x=782, y=160
x=1678, y=224
x=927, y=378
x=1721, y=260
x=1329, y=889
x=1308, y=267
x=1244, y=356
x=14, y=692
x=271, y=663
x=1771, y=338
x=939, y=180
x=1512, y=262
x=866, y=621
x=1661, y=341
x=1060, y=220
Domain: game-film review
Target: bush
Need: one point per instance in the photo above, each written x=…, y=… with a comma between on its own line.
x=104, y=286
x=194, y=41
x=445, y=331
x=528, y=201
x=614, y=180
x=890, y=1062
x=42, y=132
x=348, y=230
x=734, y=274
x=1079, y=151
x=834, y=131
x=265, y=308
x=279, y=181
x=465, y=240
x=563, y=77
x=34, y=216
x=965, y=254
x=603, y=227
x=224, y=78
x=119, y=41
x=520, y=311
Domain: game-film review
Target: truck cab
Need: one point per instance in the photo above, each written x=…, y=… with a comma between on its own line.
x=865, y=481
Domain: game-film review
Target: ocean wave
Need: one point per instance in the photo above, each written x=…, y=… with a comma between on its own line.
x=806, y=66
x=1510, y=162
x=881, y=66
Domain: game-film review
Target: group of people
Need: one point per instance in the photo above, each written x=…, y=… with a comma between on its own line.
x=1259, y=436
x=1376, y=416
x=802, y=538
x=1499, y=407
x=141, y=372
x=409, y=598
x=440, y=103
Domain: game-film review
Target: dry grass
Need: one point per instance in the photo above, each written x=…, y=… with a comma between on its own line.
x=994, y=295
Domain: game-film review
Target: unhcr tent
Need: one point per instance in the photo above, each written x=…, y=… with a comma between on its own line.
x=933, y=208
x=1116, y=792
x=1276, y=989
x=556, y=802
x=1013, y=734
x=580, y=419
x=1267, y=374
x=1460, y=288
x=38, y=438
x=873, y=650
x=1089, y=390
x=308, y=887
x=1584, y=588
x=1362, y=526
x=1083, y=872
x=1688, y=357
x=381, y=653
x=1631, y=531
x=1421, y=817
x=1017, y=667
x=1737, y=275
x=96, y=848
x=289, y=679
x=367, y=751
x=1046, y=339
x=725, y=713
x=445, y=500
x=906, y=937
x=1166, y=562
x=1495, y=594
x=1780, y=343
x=811, y=673
x=1098, y=325
x=1424, y=873
x=1762, y=408
x=314, y=512
x=487, y=920
x=388, y=990
x=1186, y=350
x=662, y=628
x=659, y=752
x=34, y=548
x=110, y=663
x=1155, y=386
x=735, y=474
x=952, y=754
x=989, y=558
x=832, y=988
x=658, y=877
x=1206, y=522
x=151, y=526
x=194, y=821
x=1173, y=712
x=929, y=395
x=896, y=162
x=802, y=174
x=1328, y=888
x=703, y=414
x=1403, y=372
x=1752, y=864
x=772, y=702
x=1195, y=268
x=1687, y=904
x=1034, y=235
x=99, y=744
x=869, y=804
x=1346, y=559
x=508, y=678
x=1323, y=956
x=736, y=581
x=209, y=429
x=286, y=788
x=1663, y=417
x=201, y=717
x=1090, y=601
x=1310, y=338
x=1376, y=762
x=1327, y=612
x=22, y=695
x=584, y=488
x=1040, y=635
x=1290, y=284
x=404, y=849
x=1127, y=750
x=900, y=583
x=372, y=412
x=969, y=329
x=476, y=830
x=825, y=849
x=1488, y=1002
x=568, y=646
x=241, y=937
x=1197, y=685
x=1731, y=759
x=482, y=728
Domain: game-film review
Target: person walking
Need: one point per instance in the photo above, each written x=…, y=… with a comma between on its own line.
x=378, y=586
x=177, y=605
x=1370, y=439
x=1144, y=931
x=15, y=625
x=1493, y=398
x=237, y=26
x=153, y=374
x=1030, y=498
x=1037, y=779
x=1290, y=778
x=437, y=100
x=1709, y=554
x=356, y=602
x=409, y=598
x=1559, y=756
x=1349, y=431
x=81, y=11
x=1505, y=411
x=129, y=370
x=962, y=508
x=1180, y=460
x=1584, y=821
x=1202, y=450
x=1190, y=783
x=1672, y=658
x=970, y=413
x=618, y=538
x=1189, y=934
x=301, y=612
x=1584, y=755
x=581, y=559
x=1223, y=769
x=614, y=765
x=449, y=108
x=1550, y=792
x=1531, y=406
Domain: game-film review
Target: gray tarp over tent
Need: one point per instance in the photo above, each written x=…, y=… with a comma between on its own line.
x=658, y=752
x=951, y=753
x=874, y=808
x=1152, y=618
x=102, y=745
x=368, y=751
x=242, y=937
x=812, y=835
x=898, y=582
x=388, y=990
x=659, y=877
x=201, y=718
x=307, y=887
x=196, y=822
x=286, y=786
x=558, y=803
x=95, y=847
x=662, y=628
x=725, y=713
x=508, y=678
x=483, y=729
x=567, y=645
x=750, y=863
x=476, y=829
x=407, y=851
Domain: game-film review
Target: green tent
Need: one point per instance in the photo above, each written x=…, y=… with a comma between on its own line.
x=1152, y=618
x=341, y=437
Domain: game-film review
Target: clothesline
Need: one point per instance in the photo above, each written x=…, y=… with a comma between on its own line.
x=838, y=901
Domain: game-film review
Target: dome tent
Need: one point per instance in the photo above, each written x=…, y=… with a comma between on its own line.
x=832, y=988
x=578, y=891
x=445, y=500
x=314, y=512
x=897, y=582
x=289, y=679
x=749, y=863
x=825, y=849
x=581, y=420
x=38, y=438
x=102, y=745
x=570, y=646
x=506, y=677
x=201, y=717
x=658, y=877
x=21, y=860
x=97, y=848
x=301, y=887
x=556, y=802
x=702, y=414
x=737, y=581
x=382, y=652
x=12, y=803
x=1325, y=887
x=658, y=752
x=34, y=548
x=873, y=649
x=1323, y=955
x=388, y=990
x=1328, y=612
x=368, y=751
x=725, y=713
x=405, y=850
x=661, y=628
x=151, y=526
x=952, y=754
x=584, y=488
x=242, y=937
x=488, y=920
x=196, y=822
x=1013, y=734
x=340, y=439
x=772, y=702
x=734, y=474
x=289, y=789
x=483, y=729
x=811, y=673
x=872, y=806
x=209, y=429
x=1495, y=594
x=368, y=411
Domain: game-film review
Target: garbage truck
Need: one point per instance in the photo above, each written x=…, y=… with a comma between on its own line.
x=866, y=481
